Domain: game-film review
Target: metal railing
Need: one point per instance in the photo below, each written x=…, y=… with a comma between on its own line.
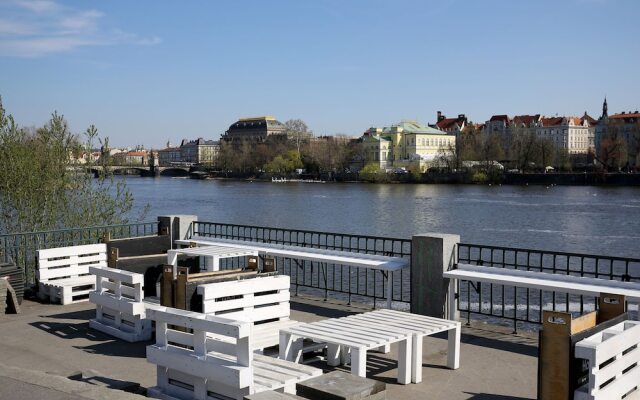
x=20, y=248
x=320, y=278
x=522, y=305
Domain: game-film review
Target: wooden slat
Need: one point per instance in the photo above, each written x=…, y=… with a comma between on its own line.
x=233, y=288
x=212, y=306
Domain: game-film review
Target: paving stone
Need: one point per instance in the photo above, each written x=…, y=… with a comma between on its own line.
x=271, y=395
x=338, y=385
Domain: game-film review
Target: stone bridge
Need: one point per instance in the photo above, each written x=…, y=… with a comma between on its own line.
x=143, y=170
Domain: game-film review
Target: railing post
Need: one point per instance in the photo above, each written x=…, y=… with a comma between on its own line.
x=431, y=255
x=179, y=226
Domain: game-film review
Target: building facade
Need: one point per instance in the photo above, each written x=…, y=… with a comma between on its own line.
x=406, y=144
x=625, y=128
x=254, y=129
x=573, y=134
x=199, y=151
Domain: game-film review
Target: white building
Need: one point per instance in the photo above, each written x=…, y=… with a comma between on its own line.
x=574, y=134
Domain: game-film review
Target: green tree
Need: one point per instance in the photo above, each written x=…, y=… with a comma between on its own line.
x=284, y=164
x=40, y=188
x=372, y=173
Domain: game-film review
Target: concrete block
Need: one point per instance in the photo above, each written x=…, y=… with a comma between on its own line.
x=431, y=255
x=338, y=385
x=179, y=226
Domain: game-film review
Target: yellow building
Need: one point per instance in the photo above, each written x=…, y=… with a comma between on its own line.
x=406, y=144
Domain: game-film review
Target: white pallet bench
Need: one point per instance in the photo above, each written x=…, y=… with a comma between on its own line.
x=614, y=362
x=63, y=273
x=193, y=364
x=263, y=301
x=539, y=280
x=385, y=264
x=120, y=305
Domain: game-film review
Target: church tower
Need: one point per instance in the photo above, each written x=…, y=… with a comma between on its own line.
x=605, y=109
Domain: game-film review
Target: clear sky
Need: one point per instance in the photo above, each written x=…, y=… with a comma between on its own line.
x=145, y=72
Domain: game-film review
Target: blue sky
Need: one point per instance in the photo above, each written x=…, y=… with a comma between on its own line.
x=145, y=72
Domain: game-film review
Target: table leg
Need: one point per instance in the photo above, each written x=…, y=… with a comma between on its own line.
x=404, y=361
x=172, y=259
x=359, y=361
x=345, y=355
x=416, y=359
x=389, y=288
x=290, y=348
x=333, y=355
x=453, y=347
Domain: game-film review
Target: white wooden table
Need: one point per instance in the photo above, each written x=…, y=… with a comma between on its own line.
x=370, y=261
x=212, y=255
x=373, y=330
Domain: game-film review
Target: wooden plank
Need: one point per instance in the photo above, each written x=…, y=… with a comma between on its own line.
x=209, y=323
x=234, y=288
x=213, y=306
x=118, y=274
x=72, y=250
x=166, y=289
x=544, y=281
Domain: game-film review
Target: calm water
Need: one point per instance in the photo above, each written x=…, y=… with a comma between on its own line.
x=593, y=220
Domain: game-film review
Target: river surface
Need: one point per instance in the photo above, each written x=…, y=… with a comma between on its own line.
x=592, y=220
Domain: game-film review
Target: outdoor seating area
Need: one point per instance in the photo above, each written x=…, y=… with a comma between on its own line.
x=224, y=325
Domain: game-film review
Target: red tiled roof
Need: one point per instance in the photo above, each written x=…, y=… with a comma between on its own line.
x=626, y=115
x=526, y=119
x=551, y=121
x=589, y=119
x=137, y=153
x=504, y=118
x=448, y=123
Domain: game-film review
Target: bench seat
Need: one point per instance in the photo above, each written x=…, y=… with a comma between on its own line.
x=63, y=273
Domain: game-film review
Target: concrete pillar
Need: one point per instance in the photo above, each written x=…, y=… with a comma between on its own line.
x=431, y=255
x=179, y=226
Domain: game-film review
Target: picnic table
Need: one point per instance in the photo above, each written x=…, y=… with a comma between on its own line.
x=386, y=264
x=372, y=330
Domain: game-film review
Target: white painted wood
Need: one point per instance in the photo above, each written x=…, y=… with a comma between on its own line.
x=335, y=257
x=64, y=273
x=359, y=362
x=544, y=281
x=120, y=309
x=619, y=348
x=373, y=330
x=191, y=358
x=255, y=300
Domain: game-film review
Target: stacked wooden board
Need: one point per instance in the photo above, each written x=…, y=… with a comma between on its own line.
x=16, y=278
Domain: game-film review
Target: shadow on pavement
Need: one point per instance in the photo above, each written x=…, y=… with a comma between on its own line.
x=488, y=396
x=83, y=315
x=320, y=310
x=105, y=344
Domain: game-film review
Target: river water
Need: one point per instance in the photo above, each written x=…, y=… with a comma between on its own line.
x=592, y=220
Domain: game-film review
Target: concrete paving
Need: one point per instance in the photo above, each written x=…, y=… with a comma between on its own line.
x=47, y=341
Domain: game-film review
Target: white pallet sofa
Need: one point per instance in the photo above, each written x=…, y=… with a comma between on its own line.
x=193, y=364
x=63, y=273
x=570, y=284
x=120, y=304
x=263, y=301
x=614, y=363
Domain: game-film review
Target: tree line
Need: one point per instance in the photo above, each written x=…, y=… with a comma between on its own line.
x=39, y=188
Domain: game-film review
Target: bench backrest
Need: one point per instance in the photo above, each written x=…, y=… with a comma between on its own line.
x=182, y=336
x=69, y=262
x=618, y=347
x=259, y=299
x=119, y=283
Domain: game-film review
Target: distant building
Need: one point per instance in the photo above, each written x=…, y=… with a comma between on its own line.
x=574, y=134
x=169, y=155
x=627, y=125
x=450, y=125
x=405, y=144
x=254, y=129
x=199, y=151
x=134, y=158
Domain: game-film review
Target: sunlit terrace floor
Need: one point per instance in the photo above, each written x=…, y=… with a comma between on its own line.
x=494, y=364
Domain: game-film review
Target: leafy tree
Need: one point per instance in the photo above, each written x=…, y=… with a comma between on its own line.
x=41, y=190
x=372, y=173
x=283, y=164
x=613, y=149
